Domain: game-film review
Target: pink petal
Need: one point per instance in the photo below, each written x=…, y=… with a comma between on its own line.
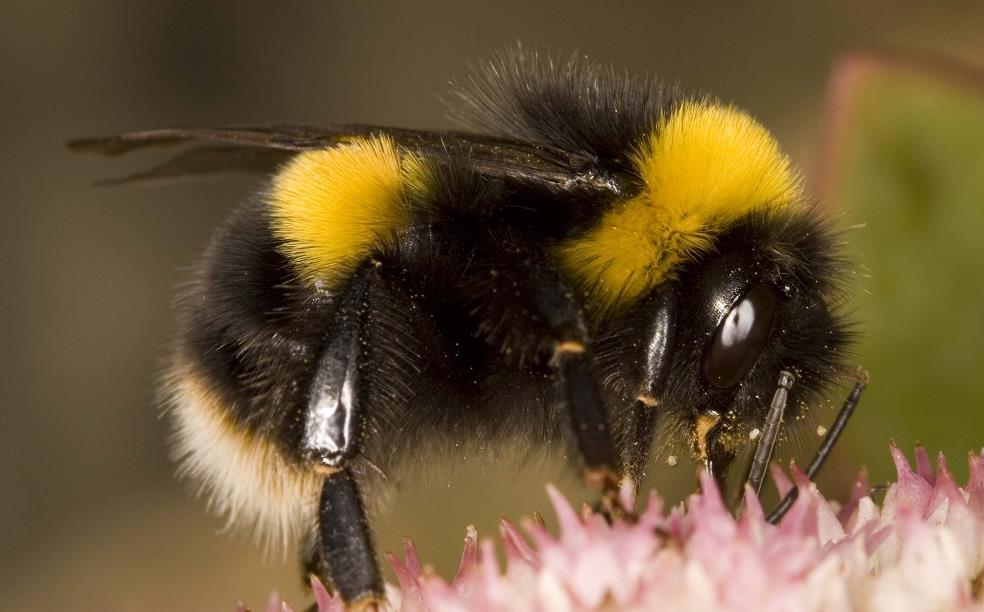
x=859, y=490
x=975, y=481
x=542, y=539
x=274, y=602
x=407, y=578
x=752, y=511
x=438, y=595
x=779, y=478
x=976, y=462
x=324, y=601
x=468, y=563
x=829, y=528
x=876, y=539
x=410, y=557
x=653, y=514
x=912, y=490
x=865, y=514
x=708, y=515
x=552, y=594
x=571, y=528
x=488, y=565
x=944, y=493
x=923, y=467
x=710, y=495
x=514, y=543
x=801, y=520
x=751, y=524
x=627, y=495
x=592, y=575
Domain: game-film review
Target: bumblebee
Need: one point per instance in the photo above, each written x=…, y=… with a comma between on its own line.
x=601, y=261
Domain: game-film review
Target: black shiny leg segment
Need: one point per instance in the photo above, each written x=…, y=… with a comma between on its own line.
x=334, y=415
x=659, y=342
x=836, y=429
x=344, y=556
x=579, y=388
x=576, y=378
x=346, y=544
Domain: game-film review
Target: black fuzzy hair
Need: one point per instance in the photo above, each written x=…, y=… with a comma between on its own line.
x=463, y=333
x=250, y=327
x=570, y=104
x=795, y=252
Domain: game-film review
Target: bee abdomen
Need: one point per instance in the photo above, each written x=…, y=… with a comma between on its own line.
x=245, y=477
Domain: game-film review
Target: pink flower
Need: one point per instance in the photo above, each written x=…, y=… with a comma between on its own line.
x=923, y=549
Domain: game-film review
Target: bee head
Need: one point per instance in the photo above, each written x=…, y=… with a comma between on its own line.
x=763, y=300
x=728, y=276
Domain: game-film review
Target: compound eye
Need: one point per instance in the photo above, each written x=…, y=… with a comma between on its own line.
x=740, y=337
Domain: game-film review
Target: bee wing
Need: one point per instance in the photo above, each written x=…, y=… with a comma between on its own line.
x=209, y=159
x=263, y=148
x=284, y=137
x=259, y=149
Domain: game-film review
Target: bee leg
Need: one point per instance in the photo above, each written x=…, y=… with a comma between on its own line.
x=536, y=312
x=578, y=385
x=660, y=336
x=346, y=543
x=861, y=380
x=335, y=411
x=555, y=305
x=659, y=340
x=575, y=377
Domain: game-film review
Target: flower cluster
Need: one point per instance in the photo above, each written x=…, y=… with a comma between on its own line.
x=922, y=549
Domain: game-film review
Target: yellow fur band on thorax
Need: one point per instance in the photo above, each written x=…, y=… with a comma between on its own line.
x=332, y=207
x=704, y=166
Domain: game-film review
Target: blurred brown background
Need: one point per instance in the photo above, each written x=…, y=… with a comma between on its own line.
x=90, y=516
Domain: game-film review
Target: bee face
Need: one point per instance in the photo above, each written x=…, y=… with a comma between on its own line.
x=762, y=301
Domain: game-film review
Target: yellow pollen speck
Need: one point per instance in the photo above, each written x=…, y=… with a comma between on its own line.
x=703, y=426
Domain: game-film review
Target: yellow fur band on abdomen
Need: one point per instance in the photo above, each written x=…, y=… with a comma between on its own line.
x=332, y=207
